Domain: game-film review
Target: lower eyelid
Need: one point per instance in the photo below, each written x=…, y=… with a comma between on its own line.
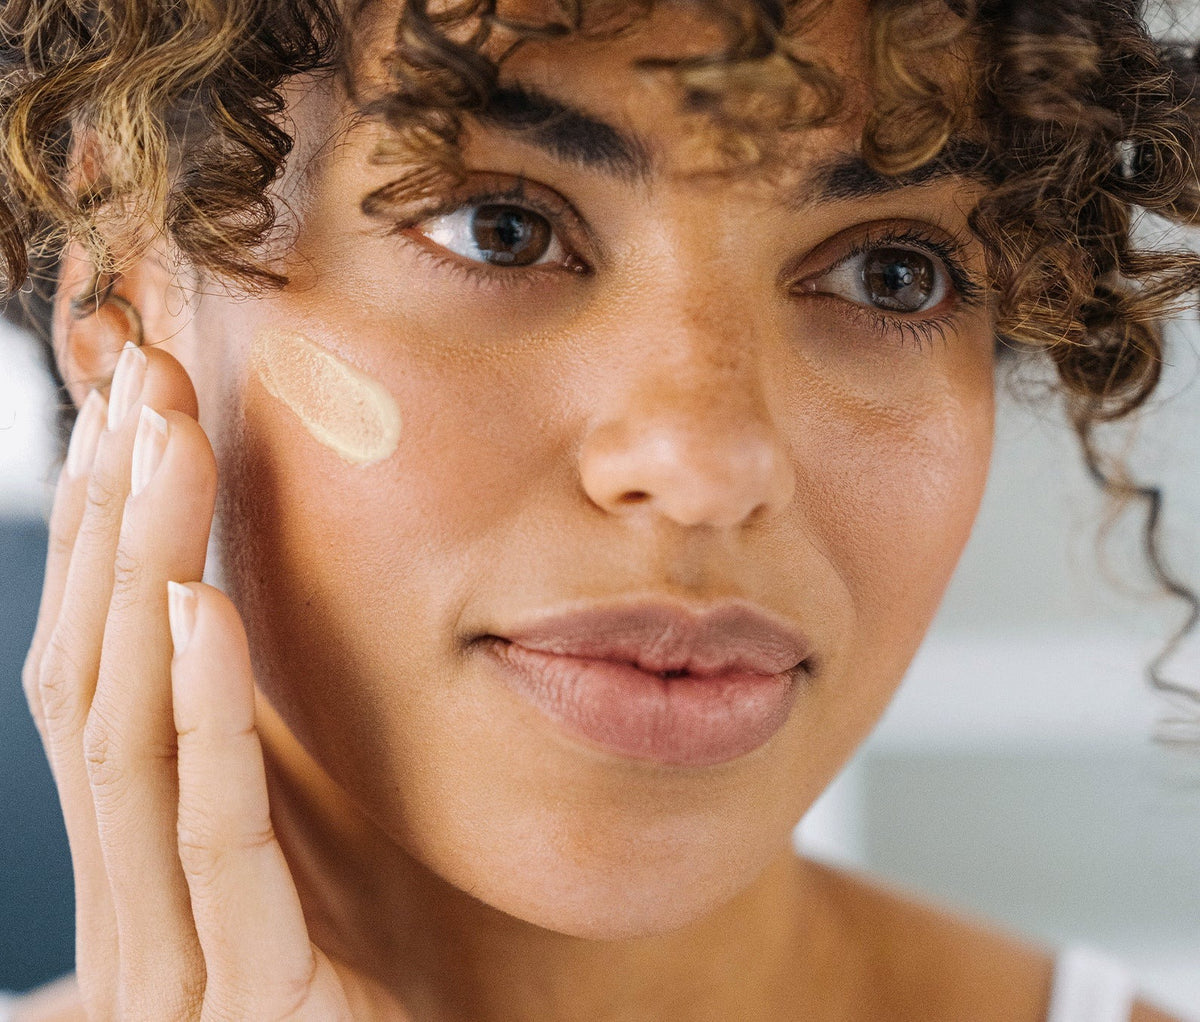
x=921, y=326
x=920, y=331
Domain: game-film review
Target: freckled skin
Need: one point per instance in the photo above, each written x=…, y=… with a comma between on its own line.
x=446, y=837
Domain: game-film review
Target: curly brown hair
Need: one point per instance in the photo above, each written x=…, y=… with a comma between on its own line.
x=1081, y=122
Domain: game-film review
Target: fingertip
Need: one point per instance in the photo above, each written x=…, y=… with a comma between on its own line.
x=195, y=444
x=85, y=435
x=181, y=613
x=211, y=676
x=188, y=465
x=199, y=609
x=168, y=384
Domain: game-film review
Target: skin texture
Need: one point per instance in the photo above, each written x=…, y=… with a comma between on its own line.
x=705, y=414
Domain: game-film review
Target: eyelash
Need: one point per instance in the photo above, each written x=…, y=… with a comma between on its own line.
x=968, y=292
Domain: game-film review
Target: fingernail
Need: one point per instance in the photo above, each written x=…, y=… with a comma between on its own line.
x=85, y=437
x=181, y=612
x=127, y=383
x=148, y=447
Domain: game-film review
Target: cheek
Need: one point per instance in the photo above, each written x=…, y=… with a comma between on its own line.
x=417, y=453
x=912, y=497
x=887, y=501
x=356, y=571
x=892, y=508
x=893, y=449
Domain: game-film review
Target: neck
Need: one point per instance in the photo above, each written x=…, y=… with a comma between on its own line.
x=448, y=956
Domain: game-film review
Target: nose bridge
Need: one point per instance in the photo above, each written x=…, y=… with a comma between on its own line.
x=701, y=364
x=693, y=312
x=689, y=432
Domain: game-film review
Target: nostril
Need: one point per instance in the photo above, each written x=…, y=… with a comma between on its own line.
x=635, y=497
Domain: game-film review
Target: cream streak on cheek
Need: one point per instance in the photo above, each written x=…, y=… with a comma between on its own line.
x=348, y=411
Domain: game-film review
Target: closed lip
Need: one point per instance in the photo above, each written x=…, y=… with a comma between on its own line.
x=663, y=637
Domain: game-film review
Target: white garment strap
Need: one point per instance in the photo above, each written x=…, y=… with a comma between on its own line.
x=1090, y=987
x=8, y=1006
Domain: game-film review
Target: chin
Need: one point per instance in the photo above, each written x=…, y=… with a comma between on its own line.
x=610, y=912
x=641, y=886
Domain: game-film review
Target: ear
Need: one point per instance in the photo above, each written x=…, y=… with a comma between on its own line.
x=86, y=346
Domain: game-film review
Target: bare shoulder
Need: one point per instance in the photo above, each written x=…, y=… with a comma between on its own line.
x=932, y=963
x=55, y=1002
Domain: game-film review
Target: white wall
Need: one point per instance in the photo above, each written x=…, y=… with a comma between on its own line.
x=26, y=418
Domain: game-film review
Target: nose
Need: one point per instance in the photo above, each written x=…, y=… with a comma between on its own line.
x=691, y=440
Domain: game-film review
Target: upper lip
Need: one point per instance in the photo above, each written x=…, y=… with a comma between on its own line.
x=660, y=636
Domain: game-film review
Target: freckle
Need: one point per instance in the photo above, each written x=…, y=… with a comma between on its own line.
x=342, y=407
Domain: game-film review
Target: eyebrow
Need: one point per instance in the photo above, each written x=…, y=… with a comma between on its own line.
x=573, y=135
x=566, y=132
x=849, y=176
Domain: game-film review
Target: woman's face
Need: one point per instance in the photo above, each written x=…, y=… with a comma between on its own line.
x=586, y=377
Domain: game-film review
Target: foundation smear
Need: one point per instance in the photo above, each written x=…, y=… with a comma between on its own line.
x=342, y=407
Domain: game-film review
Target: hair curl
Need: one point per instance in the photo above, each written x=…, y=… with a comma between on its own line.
x=1083, y=122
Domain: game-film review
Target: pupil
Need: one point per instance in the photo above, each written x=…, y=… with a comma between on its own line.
x=897, y=276
x=510, y=235
x=898, y=279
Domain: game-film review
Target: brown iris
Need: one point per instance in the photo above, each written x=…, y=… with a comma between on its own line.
x=898, y=279
x=510, y=235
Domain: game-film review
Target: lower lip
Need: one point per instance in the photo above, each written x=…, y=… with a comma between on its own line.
x=684, y=721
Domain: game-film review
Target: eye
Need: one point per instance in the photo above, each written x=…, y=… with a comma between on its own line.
x=890, y=278
x=500, y=234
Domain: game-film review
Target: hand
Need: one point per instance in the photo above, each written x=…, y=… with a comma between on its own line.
x=185, y=905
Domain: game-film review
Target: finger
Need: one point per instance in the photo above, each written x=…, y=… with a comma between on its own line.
x=165, y=383
x=69, y=664
x=130, y=734
x=70, y=498
x=259, y=958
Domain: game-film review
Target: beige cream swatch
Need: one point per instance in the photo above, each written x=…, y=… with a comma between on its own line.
x=342, y=407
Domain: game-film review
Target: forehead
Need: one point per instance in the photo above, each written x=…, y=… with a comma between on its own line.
x=692, y=112
x=703, y=87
